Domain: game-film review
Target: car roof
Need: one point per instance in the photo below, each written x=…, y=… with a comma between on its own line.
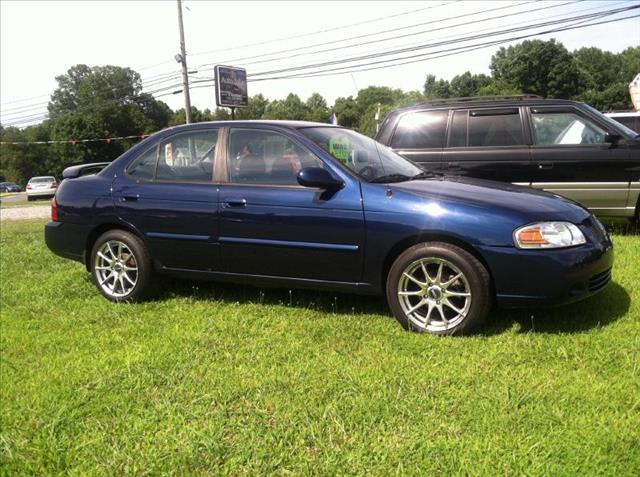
x=261, y=122
x=485, y=102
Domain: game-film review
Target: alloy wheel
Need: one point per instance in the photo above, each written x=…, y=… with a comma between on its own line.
x=434, y=294
x=116, y=269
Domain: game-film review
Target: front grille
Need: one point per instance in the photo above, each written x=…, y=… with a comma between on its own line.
x=599, y=280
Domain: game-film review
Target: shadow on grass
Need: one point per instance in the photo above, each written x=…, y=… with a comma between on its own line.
x=322, y=301
x=598, y=311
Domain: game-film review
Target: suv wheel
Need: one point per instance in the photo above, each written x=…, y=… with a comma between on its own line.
x=120, y=266
x=438, y=288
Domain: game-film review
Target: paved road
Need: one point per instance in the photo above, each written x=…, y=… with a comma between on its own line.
x=18, y=197
x=23, y=213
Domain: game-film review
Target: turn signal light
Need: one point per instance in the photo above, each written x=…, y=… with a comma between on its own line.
x=548, y=235
x=532, y=237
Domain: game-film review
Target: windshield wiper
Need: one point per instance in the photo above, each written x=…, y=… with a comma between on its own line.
x=390, y=178
x=425, y=175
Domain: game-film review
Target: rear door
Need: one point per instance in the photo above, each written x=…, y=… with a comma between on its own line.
x=420, y=137
x=168, y=194
x=571, y=158
x=489, y=143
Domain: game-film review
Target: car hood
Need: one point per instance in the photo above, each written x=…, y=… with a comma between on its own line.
x=521, y=204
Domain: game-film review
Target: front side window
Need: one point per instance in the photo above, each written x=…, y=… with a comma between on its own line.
x=421, y=130
x=364, y=156
x=144, y=166
x=564, y=128
x=188, y=156
x=266, y=157
x=495, y=128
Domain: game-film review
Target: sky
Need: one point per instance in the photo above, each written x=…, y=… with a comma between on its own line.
x=40, y=40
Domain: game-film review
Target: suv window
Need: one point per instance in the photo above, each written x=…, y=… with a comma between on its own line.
x=421, y=130
x=564, y=127
x=458, y=133
x=495, y=127
x=188, y=156
x=144, y=166
x=266, y=157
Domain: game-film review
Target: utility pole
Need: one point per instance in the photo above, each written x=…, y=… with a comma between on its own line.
x=182, y=58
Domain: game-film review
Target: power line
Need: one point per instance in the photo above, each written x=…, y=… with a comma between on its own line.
x=396, y=37
x=458, y=40
x=424, y=56
x=326, y=30
x=392, y=30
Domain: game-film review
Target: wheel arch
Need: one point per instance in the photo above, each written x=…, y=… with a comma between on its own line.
x=98, y=231
x=408, y=242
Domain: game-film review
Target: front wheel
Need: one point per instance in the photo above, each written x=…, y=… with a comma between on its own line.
x=120, y=266
x=438, y=288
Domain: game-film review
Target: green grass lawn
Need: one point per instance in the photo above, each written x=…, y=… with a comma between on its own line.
x=220, y=379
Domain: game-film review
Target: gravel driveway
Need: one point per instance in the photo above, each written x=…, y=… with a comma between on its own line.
x=22, y=213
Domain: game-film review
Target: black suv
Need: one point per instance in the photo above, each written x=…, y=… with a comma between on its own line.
x=560, y=146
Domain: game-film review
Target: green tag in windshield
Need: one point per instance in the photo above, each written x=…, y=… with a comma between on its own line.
x=340, y=148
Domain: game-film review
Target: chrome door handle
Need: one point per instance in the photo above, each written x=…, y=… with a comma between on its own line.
x=237, y=203
x=546, y=166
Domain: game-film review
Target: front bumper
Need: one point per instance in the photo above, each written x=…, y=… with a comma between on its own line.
x=549, y=277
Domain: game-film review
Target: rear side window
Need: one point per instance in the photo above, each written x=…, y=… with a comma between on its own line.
x=144, y=166
x=495, y=128
x=188, y=157
x=421, y=130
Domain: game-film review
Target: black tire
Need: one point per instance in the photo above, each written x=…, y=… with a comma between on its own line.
x=29, y=198
x=145, y=276
x=475, y=281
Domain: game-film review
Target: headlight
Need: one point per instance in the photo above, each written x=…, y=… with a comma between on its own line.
x=548, y=235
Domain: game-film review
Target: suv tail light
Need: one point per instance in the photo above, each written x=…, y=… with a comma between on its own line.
x=54, y=210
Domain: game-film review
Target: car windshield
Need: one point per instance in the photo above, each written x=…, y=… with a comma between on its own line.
x=629, y=133
x=367, y=158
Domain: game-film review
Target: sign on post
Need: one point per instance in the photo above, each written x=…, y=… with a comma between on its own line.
x=231, y=87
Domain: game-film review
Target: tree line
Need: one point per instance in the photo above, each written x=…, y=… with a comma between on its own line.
x=108, y=101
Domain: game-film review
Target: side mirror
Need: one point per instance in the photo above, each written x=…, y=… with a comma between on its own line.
x=611, y=138
x=318, y=177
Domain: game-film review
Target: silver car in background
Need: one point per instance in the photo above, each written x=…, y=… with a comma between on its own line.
x=43, y=186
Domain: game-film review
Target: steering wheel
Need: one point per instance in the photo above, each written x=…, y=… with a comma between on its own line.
x=368, y=172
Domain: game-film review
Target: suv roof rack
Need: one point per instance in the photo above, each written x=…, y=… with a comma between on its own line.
x=512, y=97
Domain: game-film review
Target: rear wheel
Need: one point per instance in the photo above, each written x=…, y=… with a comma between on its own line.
x=438, y=288
x=121, y=267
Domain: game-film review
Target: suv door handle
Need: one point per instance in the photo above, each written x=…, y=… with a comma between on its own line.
x=545, y=166
x=130, y=198
x=453, y=165
x=234, y=203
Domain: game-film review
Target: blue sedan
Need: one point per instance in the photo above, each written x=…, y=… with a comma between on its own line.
x=308, y=205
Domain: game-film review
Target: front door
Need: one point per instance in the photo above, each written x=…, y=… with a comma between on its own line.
x=271, y=226
x=571, y=158
x=168, y=195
